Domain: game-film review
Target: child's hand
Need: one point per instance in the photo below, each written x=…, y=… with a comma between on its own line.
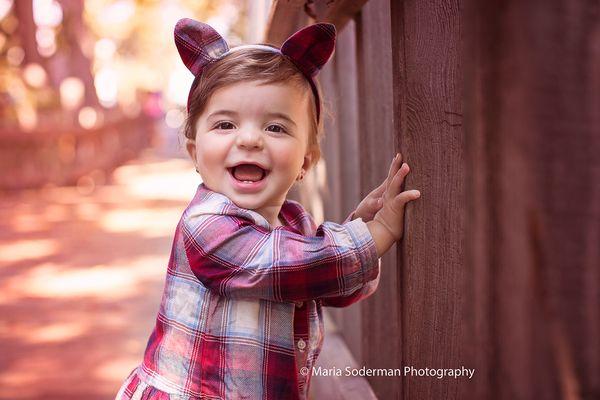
x=391, y=214
x=372, y=203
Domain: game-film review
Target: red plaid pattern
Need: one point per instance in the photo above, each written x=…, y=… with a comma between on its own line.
x=309, y=49
x=241, y=309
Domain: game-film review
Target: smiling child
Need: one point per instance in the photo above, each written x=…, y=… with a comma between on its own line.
x=249, y=272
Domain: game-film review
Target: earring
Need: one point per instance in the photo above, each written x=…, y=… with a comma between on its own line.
x=301, y=175
x=197, y=170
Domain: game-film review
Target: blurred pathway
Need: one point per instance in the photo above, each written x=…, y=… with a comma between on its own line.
x=81, y=278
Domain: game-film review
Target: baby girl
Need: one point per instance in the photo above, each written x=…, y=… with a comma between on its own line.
x=249, y=272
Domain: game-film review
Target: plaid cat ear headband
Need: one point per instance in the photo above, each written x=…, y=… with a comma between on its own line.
x=308, y=49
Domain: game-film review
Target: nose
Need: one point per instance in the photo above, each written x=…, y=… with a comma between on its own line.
x=250, y=139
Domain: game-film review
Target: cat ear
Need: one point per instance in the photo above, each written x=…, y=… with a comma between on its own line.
x=310, y=48
x=198, y=44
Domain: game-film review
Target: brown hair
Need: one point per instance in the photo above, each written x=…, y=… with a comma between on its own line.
x=252, y=64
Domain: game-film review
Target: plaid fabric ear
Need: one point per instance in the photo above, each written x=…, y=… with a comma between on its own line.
x=198, y=44
x=310, y=48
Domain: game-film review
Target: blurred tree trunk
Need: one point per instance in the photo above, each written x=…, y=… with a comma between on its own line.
x=23, y=10
x=77, y=63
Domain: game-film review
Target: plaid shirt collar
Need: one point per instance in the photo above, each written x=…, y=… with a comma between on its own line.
x=289, y=212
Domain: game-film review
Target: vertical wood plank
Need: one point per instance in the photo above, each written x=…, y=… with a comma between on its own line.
x=331, y=163
x=348, y=147
x=428, y=97
x=533, y=147
x=381, y=312
x=331, y=187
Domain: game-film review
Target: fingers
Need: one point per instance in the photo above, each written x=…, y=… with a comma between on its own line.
x=395, y=184
x=404, y=197
x=394, y=166
x=379, y=190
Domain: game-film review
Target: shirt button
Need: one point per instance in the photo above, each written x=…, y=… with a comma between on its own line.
x=301, y=344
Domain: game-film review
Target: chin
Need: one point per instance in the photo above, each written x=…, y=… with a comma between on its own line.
x=247, y=203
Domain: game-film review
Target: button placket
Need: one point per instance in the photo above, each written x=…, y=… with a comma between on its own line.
x=301, y=345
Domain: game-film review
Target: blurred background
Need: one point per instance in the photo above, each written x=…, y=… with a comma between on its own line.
x=499, y=120
x=87, y=85
x=93, y=182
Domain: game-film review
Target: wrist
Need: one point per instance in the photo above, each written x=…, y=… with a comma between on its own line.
x=381, y=221
x=382, y=237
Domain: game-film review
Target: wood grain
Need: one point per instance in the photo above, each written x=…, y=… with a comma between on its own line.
x=381, y=328
x=533, y=233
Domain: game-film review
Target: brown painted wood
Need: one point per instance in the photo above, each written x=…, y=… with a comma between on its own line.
x=499, y=269
x=428, y=121
x=338, y=12
x=381, y=327
x=344, y=63
x=533, y=101
x=284, y=19
x=331, y=190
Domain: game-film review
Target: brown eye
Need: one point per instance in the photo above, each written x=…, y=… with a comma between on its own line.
x=278, y=129
x=224, y=125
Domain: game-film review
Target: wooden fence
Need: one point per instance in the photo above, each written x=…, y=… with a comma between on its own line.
x=63, y=154
x=496, y=107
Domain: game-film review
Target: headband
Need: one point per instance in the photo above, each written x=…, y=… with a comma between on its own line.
x=308, y=49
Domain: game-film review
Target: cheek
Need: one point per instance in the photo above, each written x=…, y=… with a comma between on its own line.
x=210, y=156
x=289, y=158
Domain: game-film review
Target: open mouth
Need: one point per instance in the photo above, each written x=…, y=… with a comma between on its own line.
x=248, y=173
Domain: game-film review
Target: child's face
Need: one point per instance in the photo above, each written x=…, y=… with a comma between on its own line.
x=240, y=125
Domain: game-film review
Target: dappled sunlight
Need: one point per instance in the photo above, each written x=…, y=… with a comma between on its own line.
x=149, y=181
x=26, y=249
x=81, y=277
x=52, y=280
x=53, y=333
x=144, y=222
x=55, y=213
x=117, y=369
x=88, y=211
x=28, y=223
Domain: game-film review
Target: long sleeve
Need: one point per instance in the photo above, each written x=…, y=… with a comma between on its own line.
x=367, y=290
x=344, y=301
x=234, y=257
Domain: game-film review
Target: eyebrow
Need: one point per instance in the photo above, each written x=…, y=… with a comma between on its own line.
x=272, y=114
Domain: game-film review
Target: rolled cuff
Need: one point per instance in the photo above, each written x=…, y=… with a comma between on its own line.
x=365, y=248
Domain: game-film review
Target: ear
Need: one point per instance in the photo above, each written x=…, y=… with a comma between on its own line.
x=307, y=164
x=190, y=146
x=198, y=44
x=310, y=48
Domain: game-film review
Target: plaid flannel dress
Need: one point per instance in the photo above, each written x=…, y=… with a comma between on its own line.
x=241, y=309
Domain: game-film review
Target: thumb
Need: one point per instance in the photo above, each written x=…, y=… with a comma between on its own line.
x=405, y=197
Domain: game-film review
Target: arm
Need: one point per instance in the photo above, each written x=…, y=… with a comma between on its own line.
x=367, y=290
x=344, y=301
x=236, y=258
x=383, y=208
